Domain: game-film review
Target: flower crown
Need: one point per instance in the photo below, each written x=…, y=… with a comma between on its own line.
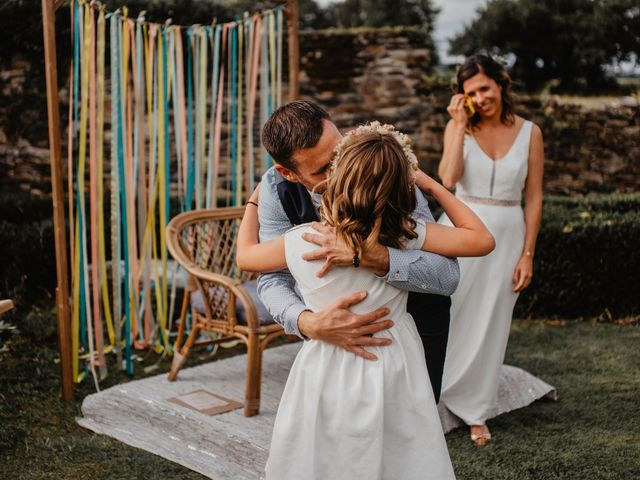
x=376, y=127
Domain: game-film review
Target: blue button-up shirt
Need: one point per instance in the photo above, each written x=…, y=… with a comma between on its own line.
x=412, y=270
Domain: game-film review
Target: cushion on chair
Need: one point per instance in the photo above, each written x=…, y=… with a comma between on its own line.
x=264, y=317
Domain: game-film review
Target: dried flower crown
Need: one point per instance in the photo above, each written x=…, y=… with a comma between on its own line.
x=376, y=127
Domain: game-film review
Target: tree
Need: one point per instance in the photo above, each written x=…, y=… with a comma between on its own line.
x=566, y=40
x=388, y=13
x=381, y=13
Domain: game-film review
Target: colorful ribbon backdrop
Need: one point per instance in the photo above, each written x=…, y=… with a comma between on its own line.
x=182, y=104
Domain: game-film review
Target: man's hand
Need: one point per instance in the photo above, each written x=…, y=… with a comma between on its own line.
x=338, y=326
x=337, y=254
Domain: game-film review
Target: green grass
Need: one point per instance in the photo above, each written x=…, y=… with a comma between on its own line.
x=592, y=432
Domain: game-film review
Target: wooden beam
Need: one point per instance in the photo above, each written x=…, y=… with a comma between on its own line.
x=57, y=191
x=293, y=28
x=293, y=24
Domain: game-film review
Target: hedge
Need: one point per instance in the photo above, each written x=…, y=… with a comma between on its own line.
x=587, y=261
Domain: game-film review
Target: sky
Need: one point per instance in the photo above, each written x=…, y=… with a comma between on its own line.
x=453, y=16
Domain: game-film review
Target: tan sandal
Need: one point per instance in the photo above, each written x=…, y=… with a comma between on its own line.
x=481, y=439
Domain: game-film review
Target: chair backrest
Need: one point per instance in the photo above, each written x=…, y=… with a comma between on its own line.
x=207, y=240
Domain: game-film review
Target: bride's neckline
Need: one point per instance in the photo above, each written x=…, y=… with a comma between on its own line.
x=515, y=140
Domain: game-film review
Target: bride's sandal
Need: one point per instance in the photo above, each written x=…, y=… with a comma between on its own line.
x=481, y=439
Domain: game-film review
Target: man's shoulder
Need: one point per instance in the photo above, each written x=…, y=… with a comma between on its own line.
x=271, y=177
x=269, y=183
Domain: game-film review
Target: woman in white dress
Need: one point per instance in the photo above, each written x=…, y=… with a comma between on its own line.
x=341, y=416
x=490, y=157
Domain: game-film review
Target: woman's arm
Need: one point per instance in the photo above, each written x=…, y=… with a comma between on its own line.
x=468, y=238
x=251, y=255
x=451, y=165
x=523, y=272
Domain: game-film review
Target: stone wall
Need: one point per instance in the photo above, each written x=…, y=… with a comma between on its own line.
x=386, y=75
x=360, y=75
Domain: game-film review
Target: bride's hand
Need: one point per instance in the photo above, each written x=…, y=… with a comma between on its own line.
x=456, y=109
x=523, y=273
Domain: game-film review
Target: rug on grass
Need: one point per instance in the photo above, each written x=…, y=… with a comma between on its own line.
x=230, y=446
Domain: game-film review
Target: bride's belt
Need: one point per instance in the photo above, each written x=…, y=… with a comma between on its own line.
x=490, y=201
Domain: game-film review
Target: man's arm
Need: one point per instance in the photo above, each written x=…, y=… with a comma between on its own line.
x=413, y=270
x=277, y=290
x=419, y=271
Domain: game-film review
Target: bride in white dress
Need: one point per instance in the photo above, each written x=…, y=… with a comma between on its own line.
x=490, y=156
x=341, y=416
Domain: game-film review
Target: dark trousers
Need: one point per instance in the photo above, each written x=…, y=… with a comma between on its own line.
x=431, y=314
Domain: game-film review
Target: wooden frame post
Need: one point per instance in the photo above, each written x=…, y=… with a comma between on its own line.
x=49, y=8
x=293, y=22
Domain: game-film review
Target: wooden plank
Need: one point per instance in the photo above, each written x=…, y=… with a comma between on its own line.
x=225, y=446
x=55, y=152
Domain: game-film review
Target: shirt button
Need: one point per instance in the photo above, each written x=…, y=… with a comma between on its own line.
x=397, y=274
x=423, y=286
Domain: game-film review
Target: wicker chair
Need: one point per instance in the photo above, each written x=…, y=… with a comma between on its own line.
x=203, y=242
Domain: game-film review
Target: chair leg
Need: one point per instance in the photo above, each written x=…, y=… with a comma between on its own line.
x=254, y=375
x=180, y=357
x=183, y=320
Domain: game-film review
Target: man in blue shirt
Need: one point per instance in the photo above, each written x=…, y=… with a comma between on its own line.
x=301, y=139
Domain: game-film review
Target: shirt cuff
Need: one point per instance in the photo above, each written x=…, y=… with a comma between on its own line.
x=291, y=323
x=397, y=273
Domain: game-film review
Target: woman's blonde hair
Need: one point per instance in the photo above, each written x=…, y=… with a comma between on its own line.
x=369, y=194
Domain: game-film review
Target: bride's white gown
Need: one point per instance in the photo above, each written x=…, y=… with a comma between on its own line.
x=482, y=306
x=345, y=418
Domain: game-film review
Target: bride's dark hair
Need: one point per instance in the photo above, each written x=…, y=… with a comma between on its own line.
x=369, y=195
x=480, y=63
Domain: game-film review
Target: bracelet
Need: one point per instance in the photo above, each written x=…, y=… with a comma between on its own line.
x=356, y=260
x=527, y=253
x=252, y=203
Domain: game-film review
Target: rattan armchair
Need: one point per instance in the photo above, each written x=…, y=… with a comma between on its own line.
x=203, y=242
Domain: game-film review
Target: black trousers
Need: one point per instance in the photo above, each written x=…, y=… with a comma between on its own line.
x=432, y=314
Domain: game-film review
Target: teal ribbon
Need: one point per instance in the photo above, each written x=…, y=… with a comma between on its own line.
x=190, y=159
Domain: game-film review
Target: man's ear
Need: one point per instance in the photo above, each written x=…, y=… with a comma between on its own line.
x=286, y=173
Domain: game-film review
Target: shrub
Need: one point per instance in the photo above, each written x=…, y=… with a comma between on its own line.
x=587, y=261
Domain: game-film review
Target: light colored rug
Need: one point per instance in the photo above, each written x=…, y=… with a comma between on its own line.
x=230, y=446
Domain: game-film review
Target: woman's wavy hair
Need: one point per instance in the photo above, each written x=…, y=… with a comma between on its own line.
x=369, y=194
x=480, y=63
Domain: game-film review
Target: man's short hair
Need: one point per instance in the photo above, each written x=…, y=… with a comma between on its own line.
x=292, y=127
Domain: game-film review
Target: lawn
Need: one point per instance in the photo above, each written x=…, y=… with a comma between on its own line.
x=592, y=432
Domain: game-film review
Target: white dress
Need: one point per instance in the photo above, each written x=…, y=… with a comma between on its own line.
x=482, y=306
x=345, y=418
